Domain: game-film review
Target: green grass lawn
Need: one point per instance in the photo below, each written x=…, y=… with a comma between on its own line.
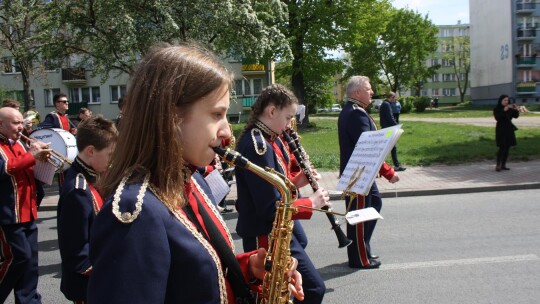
x=422, y=143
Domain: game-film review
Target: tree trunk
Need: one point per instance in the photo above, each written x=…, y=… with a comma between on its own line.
x=27, y=94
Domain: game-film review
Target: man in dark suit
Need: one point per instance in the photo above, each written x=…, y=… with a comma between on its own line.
x=353, y=120
x=387, y=120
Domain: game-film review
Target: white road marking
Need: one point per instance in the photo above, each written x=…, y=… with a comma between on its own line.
x=446, y=263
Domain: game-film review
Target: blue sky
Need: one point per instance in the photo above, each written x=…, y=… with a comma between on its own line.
x=441, y=12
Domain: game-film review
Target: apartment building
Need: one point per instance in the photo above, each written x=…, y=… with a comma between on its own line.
x=444, y=85
x=504, y=47
x=101, y=97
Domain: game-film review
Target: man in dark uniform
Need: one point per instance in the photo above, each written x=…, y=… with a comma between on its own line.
x=20, y=196
x=79, y=203
x=59, y=119
x=353, y=120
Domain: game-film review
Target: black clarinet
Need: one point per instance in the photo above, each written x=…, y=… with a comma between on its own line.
x=301, y=157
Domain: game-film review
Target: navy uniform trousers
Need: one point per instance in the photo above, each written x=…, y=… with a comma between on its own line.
x=360, y=249
x=19, y=272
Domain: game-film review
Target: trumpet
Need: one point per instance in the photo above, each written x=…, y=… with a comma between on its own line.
x=56, y=159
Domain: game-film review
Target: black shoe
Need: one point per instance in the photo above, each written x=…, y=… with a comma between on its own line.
x=400, y=168
x=505, y=168
x=372, y=265
x=227, y=210
x=373, y=257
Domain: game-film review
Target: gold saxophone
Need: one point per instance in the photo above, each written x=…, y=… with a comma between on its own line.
x=275, y=287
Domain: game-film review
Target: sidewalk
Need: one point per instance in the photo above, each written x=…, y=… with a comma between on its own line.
x=418, y=181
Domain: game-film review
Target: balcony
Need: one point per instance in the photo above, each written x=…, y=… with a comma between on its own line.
x=526, y=62
x=526, y=34
x=75, y=76
x=526, y=88
x=525, y=8
x=252, y=67
x=247, y=102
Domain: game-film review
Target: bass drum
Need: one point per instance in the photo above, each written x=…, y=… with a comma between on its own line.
x=60, y=141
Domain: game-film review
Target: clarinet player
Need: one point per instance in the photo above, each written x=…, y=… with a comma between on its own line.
x=261, y=143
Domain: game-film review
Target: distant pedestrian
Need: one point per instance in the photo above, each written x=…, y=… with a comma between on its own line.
x=505, y=135
x=388, y=120
x=396, y=107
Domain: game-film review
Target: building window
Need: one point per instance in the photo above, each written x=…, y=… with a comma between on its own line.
x=49, y=94
x=238, y=88
x=447, y=62
x=257, y=86
x=117, y=92
x=434, y=62
x=86, y=95
x=435, y=78
x=449, y=77
x=10, y=66
x=435, y=92
x=449, y=92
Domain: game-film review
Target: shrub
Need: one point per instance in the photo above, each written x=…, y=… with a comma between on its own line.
x=421, y=103
x=406, y=104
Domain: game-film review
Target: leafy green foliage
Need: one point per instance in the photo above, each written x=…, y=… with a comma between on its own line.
x=421, y=103
x=115, y=34
x=459, y=56
x=406, y=103
x=24, y=33
x=398, y=50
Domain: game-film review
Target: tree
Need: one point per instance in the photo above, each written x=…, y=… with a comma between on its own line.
x=314, y=28
x=399, y=51
x=23, y=34
x=459, y=56
x=114, y=35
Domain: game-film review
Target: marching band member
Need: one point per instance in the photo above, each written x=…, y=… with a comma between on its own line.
x=353, y=120
x=159, y=238
x=59, y=119
x=20, y=196
x=79, y=202
x=261, y=144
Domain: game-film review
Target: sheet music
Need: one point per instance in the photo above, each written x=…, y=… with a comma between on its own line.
x=370, y=152
x=218, y=185
x=362, y=215
x=44, y=171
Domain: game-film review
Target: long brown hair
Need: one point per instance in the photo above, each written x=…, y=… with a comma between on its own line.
x=166, y=84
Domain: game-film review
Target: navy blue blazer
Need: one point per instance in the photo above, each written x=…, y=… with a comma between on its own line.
x=386, y=116
x=78, y=205
x=160, y=257
x=352, y=121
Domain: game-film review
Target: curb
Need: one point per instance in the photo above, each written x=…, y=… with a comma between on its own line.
x=336, y=195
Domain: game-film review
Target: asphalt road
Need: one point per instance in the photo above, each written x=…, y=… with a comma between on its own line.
x=466, y=248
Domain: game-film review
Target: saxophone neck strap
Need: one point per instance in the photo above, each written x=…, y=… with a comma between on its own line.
x=233, y=272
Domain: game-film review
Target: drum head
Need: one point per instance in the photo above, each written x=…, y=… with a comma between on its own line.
x=60, y=141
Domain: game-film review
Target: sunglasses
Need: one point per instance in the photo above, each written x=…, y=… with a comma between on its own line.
x=63, y=101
